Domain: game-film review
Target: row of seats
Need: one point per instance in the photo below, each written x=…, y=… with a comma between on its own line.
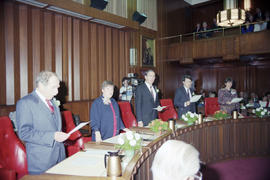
x=211, y=106
x=13, y=163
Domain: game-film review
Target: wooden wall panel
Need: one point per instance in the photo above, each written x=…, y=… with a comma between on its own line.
x=2, y=56
x=85, y=78
x=9, y=52
x=108, y=53
x=82, y=53
x=23, y=42
x=36, y=40
x=94, y=62
x=122, y=60
x=48, y=40
x=101, y=55
x=115, y=38
x=76, y=58
x=58, y=44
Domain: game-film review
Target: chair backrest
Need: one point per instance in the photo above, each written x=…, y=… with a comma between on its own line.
x=12, y=151
x=211, y=105
x=126, y=114
x=169, y=112
x=74, y=142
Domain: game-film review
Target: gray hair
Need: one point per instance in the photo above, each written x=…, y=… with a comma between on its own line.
x=44, y=76
x=175, y=160
x=106, y=83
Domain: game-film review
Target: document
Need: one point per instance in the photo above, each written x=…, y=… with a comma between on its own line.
x=236, y=100
x=162, y=107
x=78, y=127
x=195, y=98
x=263, y=103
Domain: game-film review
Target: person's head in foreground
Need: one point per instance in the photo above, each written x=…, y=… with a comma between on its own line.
x=176, y=160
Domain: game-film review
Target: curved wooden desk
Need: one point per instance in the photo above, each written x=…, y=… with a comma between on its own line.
x=215, y=140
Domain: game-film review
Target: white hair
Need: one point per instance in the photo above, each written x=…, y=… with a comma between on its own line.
x=175, y=160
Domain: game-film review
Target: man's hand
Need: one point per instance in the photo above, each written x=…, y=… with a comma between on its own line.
x=60, y=136
x=187, y=103
x=140, y=124
x=159, y=108
x=126, y=130
x=98, y=136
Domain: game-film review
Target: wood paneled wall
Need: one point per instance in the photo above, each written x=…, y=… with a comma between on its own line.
x=247, y=77
x=83, y=54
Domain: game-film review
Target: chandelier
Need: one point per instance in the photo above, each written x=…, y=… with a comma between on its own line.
x=231, y=16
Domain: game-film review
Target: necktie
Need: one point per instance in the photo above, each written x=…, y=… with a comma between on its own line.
x=50, y=106
x=188, y=94
x=152, y=92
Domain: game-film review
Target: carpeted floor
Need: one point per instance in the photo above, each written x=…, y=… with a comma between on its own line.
x=242, y=169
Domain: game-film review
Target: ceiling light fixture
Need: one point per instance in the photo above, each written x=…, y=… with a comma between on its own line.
x=231, y=16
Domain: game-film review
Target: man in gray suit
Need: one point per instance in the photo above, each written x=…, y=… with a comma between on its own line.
x=146, y=99
x=39, y=125
x=183, y=95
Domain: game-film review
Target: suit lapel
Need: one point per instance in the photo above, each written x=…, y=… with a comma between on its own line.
x=148, y=91
x=44, y=108
x=185, y=92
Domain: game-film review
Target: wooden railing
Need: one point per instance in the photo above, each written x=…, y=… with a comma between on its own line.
x=225, y=44
x=215, y=140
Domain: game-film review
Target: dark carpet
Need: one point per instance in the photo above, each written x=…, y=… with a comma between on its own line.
x=243, y=169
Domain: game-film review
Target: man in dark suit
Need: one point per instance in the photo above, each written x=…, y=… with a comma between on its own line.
x=39, y=125
x=146, y=99
x=183, y=95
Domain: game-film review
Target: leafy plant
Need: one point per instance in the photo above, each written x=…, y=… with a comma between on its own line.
x=221, y=115
x=158, y=125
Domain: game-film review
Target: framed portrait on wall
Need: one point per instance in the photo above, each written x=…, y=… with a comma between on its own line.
x=148, y=51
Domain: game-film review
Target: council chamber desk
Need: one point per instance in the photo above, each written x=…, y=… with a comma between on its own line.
x=216, y=141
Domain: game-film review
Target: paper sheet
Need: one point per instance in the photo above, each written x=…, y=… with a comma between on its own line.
x=263, y=103
x=77, y=127
x=195, y=98
x=162, y=107
x=236, y=100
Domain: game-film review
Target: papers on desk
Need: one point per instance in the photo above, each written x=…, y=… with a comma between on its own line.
x=78, y=127
x=195, y=98
x=236, y=100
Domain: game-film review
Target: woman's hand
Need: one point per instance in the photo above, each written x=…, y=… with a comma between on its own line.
x=228, y=102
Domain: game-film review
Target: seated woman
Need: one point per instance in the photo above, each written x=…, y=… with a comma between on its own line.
x=105, y=117
x=225, y=95
x=176, y=160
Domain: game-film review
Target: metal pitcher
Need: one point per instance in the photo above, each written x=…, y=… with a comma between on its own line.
x=114, y=164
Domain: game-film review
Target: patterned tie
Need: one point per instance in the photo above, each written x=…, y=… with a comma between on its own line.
x=50, y=106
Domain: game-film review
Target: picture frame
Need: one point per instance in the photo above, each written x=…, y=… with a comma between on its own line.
x=148, y=52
